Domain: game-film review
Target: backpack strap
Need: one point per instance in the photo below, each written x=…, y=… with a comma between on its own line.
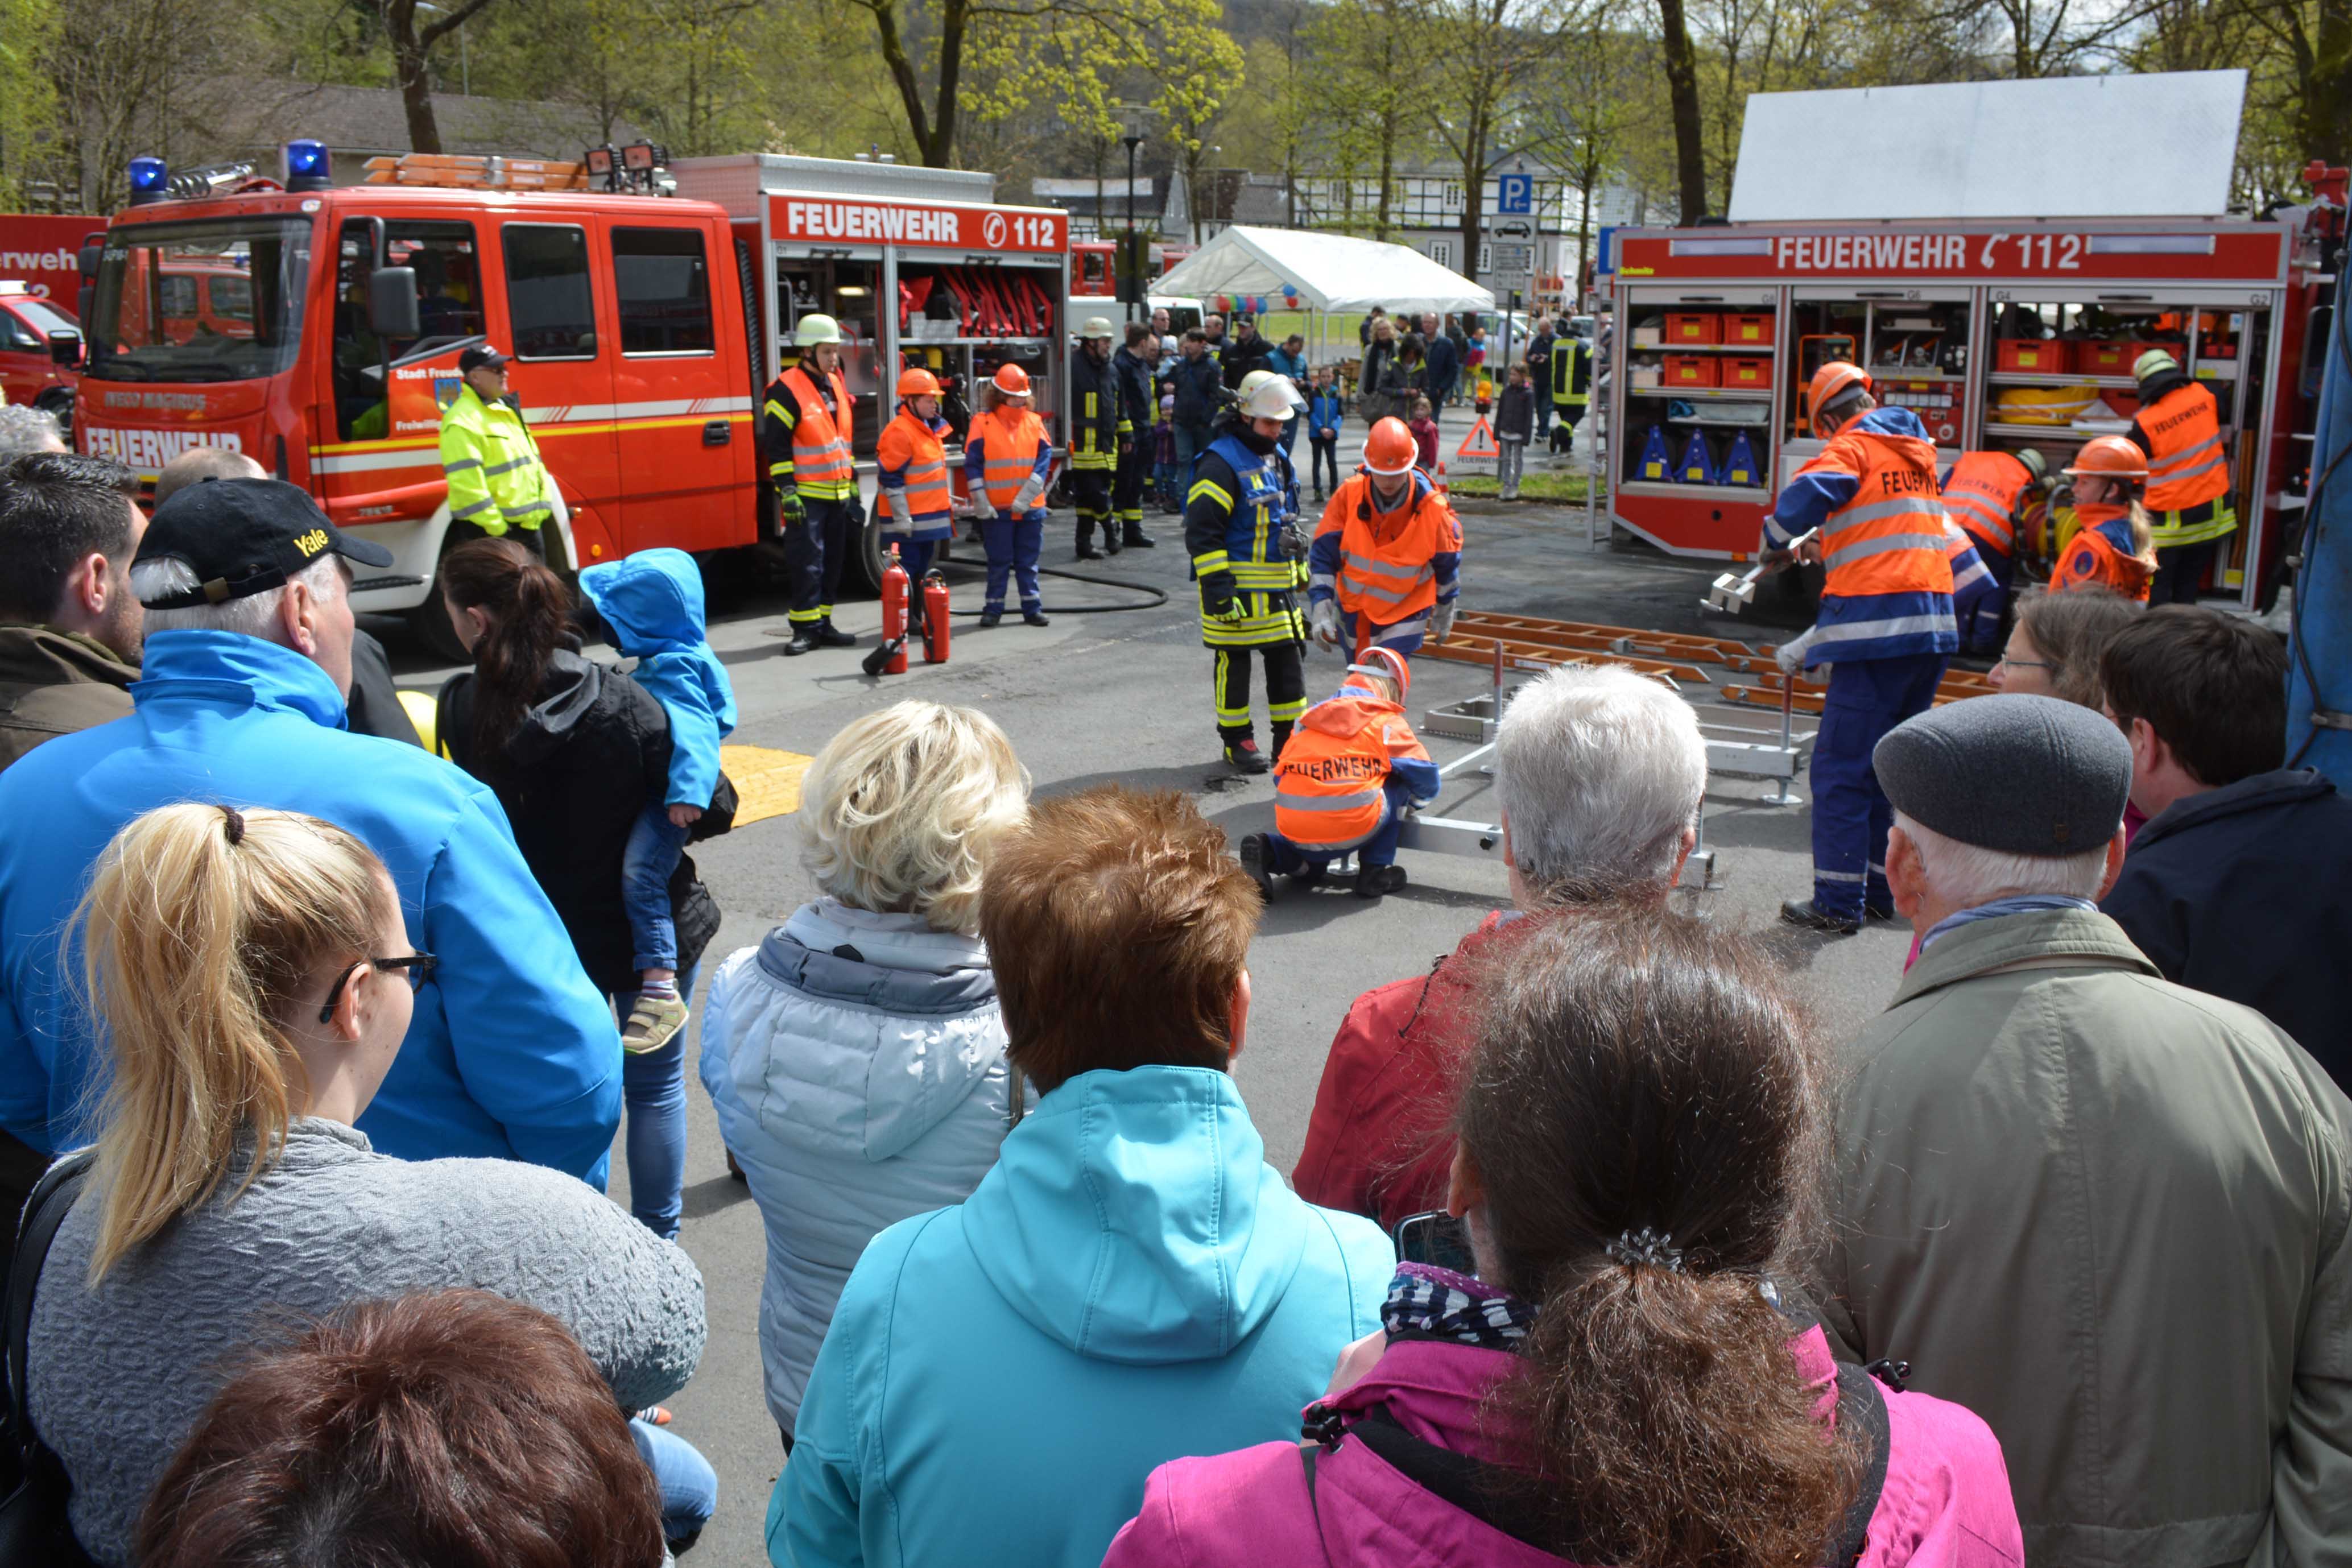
x=53, y=1198
x=1860, y=1408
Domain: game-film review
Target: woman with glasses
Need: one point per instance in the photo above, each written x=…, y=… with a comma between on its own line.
x=255, y=986
x=2054, y=652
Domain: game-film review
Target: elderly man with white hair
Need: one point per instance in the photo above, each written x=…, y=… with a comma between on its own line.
x=2110, y=1215
x=1600, y=773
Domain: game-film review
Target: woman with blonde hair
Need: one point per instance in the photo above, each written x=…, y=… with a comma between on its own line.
x=856, y=1056
x=254, y=983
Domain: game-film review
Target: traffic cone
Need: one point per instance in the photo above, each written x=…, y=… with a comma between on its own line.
x=1740, y=465
x=1653, y=454
x=1480, y=432
x=1441, y=478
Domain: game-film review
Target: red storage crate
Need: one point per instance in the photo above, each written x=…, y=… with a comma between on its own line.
x=1691, y=329
x=2033, y=354
x=1745, y=330
x=2104, y=359
x=1746, y=372
x=1690, y=371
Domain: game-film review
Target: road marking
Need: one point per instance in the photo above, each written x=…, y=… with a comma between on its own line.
x=767, y=782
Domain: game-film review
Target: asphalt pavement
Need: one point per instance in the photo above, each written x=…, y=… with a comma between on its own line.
x=1112, y=694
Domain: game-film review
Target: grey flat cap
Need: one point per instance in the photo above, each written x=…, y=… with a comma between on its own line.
x=2027, y=776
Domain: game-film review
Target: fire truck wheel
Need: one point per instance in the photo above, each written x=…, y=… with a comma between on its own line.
x=865, y=573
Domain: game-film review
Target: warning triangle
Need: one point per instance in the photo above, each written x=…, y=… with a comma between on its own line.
x=1480, y=442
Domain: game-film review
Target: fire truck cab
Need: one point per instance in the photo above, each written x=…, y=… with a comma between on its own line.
x=642, y=330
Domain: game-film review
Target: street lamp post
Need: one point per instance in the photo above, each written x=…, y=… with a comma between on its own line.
x=465, y=55
x=1132, y=117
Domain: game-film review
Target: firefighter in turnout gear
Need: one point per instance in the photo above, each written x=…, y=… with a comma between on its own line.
x=1352, y=768
x=1006, y=458
x=805, y=439
x=1886, y=627
x=496, y=481
x=1987, y=494
x=2180, y=428
x=1238, y=529
x=1098, y=427
x=1386, y=563
x=1135, y=408
x=1571, y=384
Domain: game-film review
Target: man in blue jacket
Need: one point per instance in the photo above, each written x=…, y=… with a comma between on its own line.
x=511, y=1053
x=1130, y=1282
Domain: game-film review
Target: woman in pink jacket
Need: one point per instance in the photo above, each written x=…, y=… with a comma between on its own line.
x=1621, y=1383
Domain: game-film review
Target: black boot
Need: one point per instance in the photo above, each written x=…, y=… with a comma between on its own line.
x=1281, y=739
x=1136, y=539
x=1112, y=544
x=1374, y=881
x=1254, y=859
x=1244, y=756
x=803, y=639
x=1086, y=550
x=1801, y=912
x=830, y=636
x=989, y=618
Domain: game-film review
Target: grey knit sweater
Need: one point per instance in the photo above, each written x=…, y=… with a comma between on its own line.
x=119, y=1374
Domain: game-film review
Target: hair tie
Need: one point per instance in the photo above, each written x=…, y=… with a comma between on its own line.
x=233, y=824
x=1646, y=1246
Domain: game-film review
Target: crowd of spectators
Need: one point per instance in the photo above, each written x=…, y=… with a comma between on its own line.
x=2049, y=1264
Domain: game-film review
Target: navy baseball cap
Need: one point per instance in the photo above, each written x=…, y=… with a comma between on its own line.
x=243, y=537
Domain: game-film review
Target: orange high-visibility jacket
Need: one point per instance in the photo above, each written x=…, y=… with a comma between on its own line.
x=1981, y=493
x=913, y=461
x=814, y=456
x=1326, y=788
x=2186, y=462
x=2094, y=557
x=1890, y=537
x=1390, y=566
x=1011, y=446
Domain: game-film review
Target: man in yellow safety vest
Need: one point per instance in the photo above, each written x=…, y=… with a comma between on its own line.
x=496, y=481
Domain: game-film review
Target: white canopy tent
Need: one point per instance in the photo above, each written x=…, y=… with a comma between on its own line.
x=1322, y=274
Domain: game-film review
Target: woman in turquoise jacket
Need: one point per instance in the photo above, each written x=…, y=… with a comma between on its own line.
x=1131, y=1282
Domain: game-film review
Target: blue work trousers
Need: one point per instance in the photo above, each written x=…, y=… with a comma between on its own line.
x=1404, y=635
x=1378, y=849
x=1012, y=548
x=1866, y=698
x=1979, y=609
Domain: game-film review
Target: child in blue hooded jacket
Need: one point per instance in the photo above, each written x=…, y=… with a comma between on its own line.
x=651, y=604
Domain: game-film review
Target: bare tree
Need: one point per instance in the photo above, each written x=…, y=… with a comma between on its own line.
x=412, y=49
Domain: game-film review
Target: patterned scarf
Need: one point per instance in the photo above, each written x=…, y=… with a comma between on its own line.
x=1426, y=1302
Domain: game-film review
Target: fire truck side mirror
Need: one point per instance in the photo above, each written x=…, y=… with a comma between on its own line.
x=392, y=302
x=65, y=347
x=87, y=259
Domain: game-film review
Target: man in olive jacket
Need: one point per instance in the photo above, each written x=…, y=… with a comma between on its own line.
x=70, y=625
x=2106, y=1213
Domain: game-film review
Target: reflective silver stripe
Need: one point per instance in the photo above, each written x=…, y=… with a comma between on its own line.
x=537, y=509
x=1326, y=802
x=1926, y=505
x=461, y=464
x=1384, y=568
x=506, y=467
x=2217, y=460
x=1896, y=626
x=2171, y=459
x=1322, y=579
x=483, y=505
x=1368, y=592
x=1885, y=544
x=1820, y=875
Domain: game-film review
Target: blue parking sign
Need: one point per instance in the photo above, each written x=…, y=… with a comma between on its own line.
x=1514, y=194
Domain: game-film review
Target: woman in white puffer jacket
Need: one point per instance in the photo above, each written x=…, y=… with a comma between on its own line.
x=856, y=1056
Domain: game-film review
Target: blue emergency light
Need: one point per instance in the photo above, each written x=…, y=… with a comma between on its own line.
x=307, y=167
x=150, y=181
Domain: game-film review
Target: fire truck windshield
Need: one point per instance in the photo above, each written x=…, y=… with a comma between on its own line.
x=212, y=301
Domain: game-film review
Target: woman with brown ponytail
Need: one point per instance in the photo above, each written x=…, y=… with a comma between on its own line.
x=1623, y=1384
x=573, y=749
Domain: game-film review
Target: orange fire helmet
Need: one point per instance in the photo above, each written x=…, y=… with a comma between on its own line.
x=2112, y=457
x=1010, y=380
x=1386, y=661
x=1390, y=450
x=1831, y=382
x=917, y=381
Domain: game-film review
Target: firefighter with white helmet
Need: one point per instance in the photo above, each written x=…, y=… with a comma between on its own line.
x=1240, y=504
x=1352, y=768
x=804, y=432
x=1099, y=428
x=1386, y=564
x=1006, y=456
x=2179, y=425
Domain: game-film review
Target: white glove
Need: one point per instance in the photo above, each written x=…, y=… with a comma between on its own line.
x=1324, y=617
x=1791, y=655
x=1441, y=622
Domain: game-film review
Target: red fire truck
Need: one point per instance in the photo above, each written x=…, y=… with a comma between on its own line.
x=644, y=329
x=2002, y=336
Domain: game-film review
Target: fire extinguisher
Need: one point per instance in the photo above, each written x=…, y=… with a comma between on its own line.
x=935, y=619
x=890, y=658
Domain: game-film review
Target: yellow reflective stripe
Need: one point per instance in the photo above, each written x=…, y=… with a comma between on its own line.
x=1211, y=488
x=1261, y=576
x=777, y=411
x=1216, y=560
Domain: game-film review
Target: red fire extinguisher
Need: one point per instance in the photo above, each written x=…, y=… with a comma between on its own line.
x=935, y=619
x=894, y=584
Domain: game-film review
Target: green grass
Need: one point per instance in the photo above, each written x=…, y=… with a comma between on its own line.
x=1558, y=489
